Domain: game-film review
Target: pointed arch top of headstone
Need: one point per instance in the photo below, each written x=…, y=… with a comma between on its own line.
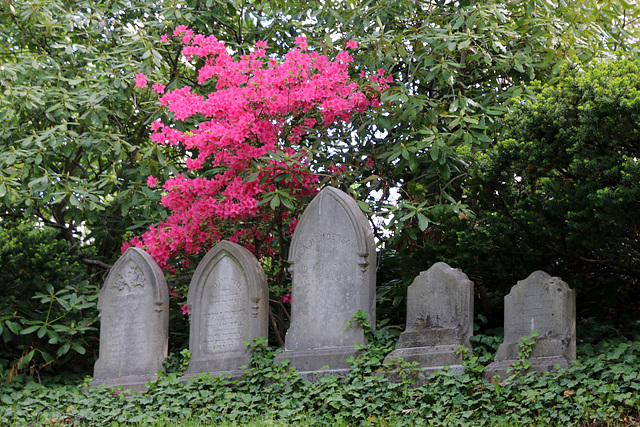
x=234, y=251
x=133, y=269
x=316, y=212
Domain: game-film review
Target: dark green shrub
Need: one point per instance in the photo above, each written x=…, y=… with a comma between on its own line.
x=47, y=302
x=560, y=192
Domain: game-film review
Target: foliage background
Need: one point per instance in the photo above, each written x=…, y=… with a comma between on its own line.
x=75, y=152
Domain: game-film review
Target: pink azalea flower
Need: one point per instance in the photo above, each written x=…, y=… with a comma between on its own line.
x=185, y=309
x=155, y=126
x=163, y=38
x=301, y=41
x=287, y=297
x=141, y=80
x=152, y=182
x=351, y=44
x=158, y=87
x=179, y=30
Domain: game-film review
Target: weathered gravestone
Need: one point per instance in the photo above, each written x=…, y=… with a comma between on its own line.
x=134, y=321
x=227, y=303
x=545, y=304
x=333, y=262
x=439, y=320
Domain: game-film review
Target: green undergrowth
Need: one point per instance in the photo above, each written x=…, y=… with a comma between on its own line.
x=603, y=388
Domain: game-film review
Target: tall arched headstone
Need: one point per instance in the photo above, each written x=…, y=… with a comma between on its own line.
x=439, y=319
x=228, y=303
x=545, y=304
x=134, y=322
x=333, y=262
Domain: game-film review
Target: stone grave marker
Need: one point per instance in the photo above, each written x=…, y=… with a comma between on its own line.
x=439, y=320
x=134, y=322
x=227, y=302
x=542, y=303
x=333, y=262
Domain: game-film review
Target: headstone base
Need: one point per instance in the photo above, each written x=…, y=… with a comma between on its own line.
x=420, y=376
x=431, y=357
x=313, y=376
x=538, y=364
x=235, y=375
x=134, y=383
x=319, y=359
x=218, y=365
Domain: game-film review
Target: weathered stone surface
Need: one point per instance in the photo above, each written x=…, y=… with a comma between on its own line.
x=439, y=319
x=228, y=304
x=134, y=321
x=545, y=304
x=332, y=259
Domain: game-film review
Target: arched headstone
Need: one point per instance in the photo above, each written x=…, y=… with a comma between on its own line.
x=439, y=319
x=134, y=321
x=228, y=303
x=333, y=262
x=545, y=304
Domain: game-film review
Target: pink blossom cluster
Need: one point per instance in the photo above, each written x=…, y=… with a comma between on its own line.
x=259, y=106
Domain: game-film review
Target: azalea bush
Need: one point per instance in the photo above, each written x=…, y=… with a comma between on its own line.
x=251, y=129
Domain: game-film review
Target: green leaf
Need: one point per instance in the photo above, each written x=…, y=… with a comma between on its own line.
x=78, y=348
x=275, y=202
x=42, y=331
x=24, y=360
x=13, y=327
x=64, y=349
x=423, y=221
x=286, y=202
x=29, y=330
x=364, y=206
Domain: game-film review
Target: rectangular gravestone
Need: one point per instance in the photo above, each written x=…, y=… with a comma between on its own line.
x=134, y=322
x=439, y=320
x=227, y=302
x=333, y=262
x=542, y=303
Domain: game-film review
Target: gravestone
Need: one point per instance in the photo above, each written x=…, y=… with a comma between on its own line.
x=542, y=303
x=227, y=302
x=134, y=322
x=333, y=262
x=439, y=320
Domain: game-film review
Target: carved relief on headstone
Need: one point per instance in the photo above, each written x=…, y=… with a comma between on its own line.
x=333, y=263
x=545, y=304
x=134, y=319
x=227, y=302
x=439, y=319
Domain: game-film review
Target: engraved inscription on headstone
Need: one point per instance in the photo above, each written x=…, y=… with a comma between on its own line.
x=439, y=319
x=134, y=321
x=227, y=301
x=545, y=304
x=332, y=259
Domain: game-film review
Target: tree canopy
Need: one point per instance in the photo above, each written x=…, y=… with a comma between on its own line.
x=75, y=134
